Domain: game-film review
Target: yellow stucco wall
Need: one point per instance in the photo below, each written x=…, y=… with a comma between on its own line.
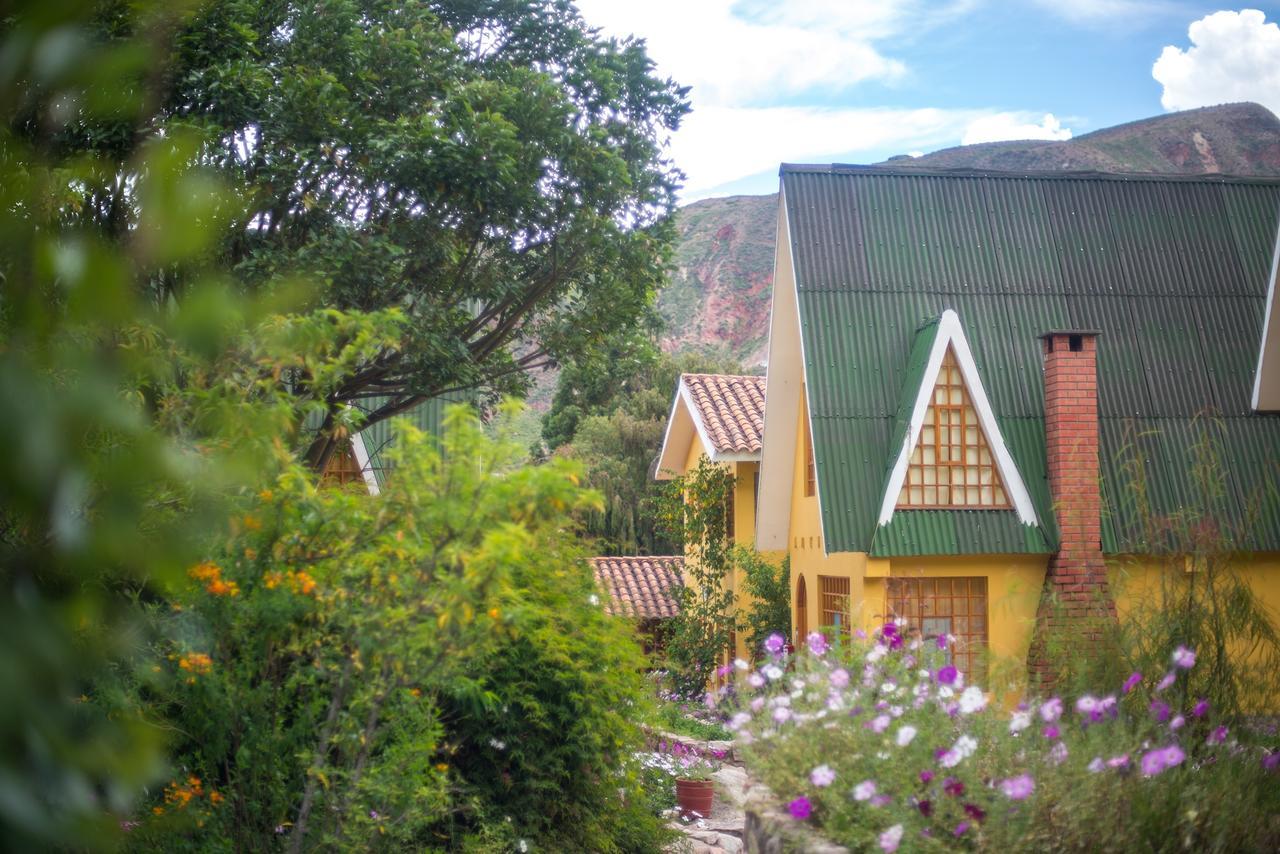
x=1013, y=581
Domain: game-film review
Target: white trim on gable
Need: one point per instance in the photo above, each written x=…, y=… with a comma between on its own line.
x=951, y=334
x=1270, y=367
x=362, y=460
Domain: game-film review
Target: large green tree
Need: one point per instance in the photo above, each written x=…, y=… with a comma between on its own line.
x=493, y=168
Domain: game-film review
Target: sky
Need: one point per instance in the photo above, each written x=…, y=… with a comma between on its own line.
x=858, y=81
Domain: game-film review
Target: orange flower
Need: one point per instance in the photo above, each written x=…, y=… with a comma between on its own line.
x=196, y=662
x=215, y=798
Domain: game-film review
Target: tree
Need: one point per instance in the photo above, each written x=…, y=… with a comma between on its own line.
x=493, y=168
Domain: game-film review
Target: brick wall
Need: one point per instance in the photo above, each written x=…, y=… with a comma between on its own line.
x=1076, y=602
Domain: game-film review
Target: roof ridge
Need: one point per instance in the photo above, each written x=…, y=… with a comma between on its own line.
x=1063, y=175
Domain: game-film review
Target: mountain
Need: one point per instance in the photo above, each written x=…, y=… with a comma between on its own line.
x=717, y=298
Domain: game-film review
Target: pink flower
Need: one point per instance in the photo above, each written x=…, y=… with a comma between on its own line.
x=817, y=642
x=1184, y=658
x=961, y=828
x=947, y=675
x=1018, y=788
x=1051, y=710
x=1200, y=709
x=839, y=678
x=1166, y=682
x=1160, y=710
x=879, y=724
x=864, y=791
x=800, y=808
x=1132, y=682
x=1177, y=723
x=1121, y=761
x=822, y=776
x=890, y=839
x=926, y=776
x=1050, y=732
x=1161, y=759
x=1218, y=736
x=774, y=643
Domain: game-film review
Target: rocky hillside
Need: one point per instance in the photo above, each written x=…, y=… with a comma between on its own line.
x=718, y=296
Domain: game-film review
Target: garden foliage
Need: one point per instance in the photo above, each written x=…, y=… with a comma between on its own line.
x=884, y=746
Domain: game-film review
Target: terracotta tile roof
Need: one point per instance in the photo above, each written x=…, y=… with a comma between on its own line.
x=639, y=586
x=731, y=409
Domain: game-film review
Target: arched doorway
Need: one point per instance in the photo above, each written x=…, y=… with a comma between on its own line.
x=802, y=612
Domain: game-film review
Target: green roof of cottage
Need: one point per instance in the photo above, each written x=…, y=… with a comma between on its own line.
x=1171, y=271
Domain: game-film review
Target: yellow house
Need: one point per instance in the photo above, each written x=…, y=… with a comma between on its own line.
x=719, y=417
x=966, y=369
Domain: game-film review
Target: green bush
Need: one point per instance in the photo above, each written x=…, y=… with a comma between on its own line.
x=883, y=746
x=420, y=669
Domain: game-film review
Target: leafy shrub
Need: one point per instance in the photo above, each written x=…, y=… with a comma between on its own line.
x=884, y=746
x=419, y=669
x=768, y=610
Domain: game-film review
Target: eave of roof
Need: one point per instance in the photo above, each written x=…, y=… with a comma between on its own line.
x=642, y=587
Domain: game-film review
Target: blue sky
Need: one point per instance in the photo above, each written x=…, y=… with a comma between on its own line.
x=860, y=80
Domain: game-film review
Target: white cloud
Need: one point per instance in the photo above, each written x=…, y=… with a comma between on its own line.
x=732, y=55
x=1234, y=56
x=1008, y=126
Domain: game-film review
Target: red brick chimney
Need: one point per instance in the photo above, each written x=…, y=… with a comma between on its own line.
x=1076, y=599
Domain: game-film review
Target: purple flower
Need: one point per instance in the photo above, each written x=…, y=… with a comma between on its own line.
x=1200, y=709
x=373, y=814
x=817, y=642
x=1160, y=710
x=1018, y=788
x=1177, y=723
x=925, y=807
x=1166, y=682
x=1162, y=758
x=1132, y=682
x=1096, y=766
x=941, y=641
x=895, y=642
x=1271, y=761
x=839, y=678
x=947, y=674
x=1121, y=761
x=1050, y=732
x=881, y=800
x=926, y=776
x=953, y=787
x=889, y=630
x=774, y=643
x=878, y=724
x=1218, y=736
x=1184, y=658
x=864, y=791
x=960, y=830
x=800, y=808
x=975, y=812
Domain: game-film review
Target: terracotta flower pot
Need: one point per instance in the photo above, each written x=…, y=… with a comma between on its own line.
x=695, y=796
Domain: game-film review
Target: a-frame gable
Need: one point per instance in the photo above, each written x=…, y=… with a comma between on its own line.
x=948, y=335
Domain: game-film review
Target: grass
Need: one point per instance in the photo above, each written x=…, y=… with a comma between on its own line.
x=676, y=718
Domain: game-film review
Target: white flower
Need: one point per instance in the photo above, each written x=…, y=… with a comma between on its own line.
x=864, y=791
x=1058, y=754
x=890, y=838
x=888, y=688
x=782, y=714
x=896, y=711
x=497, y=745
x=1096, y=765
x=879, y=724
x=522, y=846
x=905, y=734
x=739, y=720
x=964, y=747
x=780, y=700
x=877, y=652
x=945, y=692
x=739, y=664
x=972, y=700
x=1020, y=721
x=756, y=680
x=1086, y=704
x=757, y=704
x=839, y=677
x=593, y=599
x=823, y=775
x=773, y=671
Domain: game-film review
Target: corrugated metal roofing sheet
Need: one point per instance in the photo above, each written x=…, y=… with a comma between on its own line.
x=1171, y=270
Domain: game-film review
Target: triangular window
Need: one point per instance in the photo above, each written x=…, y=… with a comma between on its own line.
x=952, y=464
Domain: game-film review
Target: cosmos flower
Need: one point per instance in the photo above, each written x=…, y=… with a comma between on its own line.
x=1177, y=723
x=1218, y=735
x=864, y=791
x=1166, y=682
x=1160, y=710
x=972, y=700
x=1200, y=709
x=1162, y=758
x=817, y=643
x=773, y=671
x=890, y=838
x=1019, y=721
x=800, y=808
x=774, y=644
x=905, y=734
x=1132, y=682
x=1184, y=658
x=1018, y=788
x=1096, y=765
x=839, y=678
x=822, y=776
x=1051, y=710
x=947, y=674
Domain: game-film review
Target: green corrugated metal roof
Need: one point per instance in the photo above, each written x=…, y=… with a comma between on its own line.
x=1171, y=270
x=427, y=416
